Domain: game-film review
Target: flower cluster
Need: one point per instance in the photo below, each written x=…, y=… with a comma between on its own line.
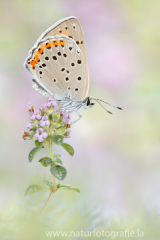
x=48, y=120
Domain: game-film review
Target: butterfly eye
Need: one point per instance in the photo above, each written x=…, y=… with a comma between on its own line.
x=88, y=102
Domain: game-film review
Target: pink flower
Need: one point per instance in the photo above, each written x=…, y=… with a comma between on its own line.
x=31, y=110
x=51, y=98
x=45, y=105
x=65, y=114
x=67, y=134
x=66, y=117
x=44, y=121
x=40, y=135
x=29, y=126
x=52, y=103
x=36, y=115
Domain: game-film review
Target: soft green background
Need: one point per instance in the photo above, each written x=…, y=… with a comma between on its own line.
x=116, y=163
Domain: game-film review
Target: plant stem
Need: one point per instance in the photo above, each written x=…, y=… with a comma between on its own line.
x=52, y=190
x=45, y=205
x=51, y=156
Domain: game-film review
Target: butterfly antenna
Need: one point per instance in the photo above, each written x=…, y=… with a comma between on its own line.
x=101, y=105
x=106, y=103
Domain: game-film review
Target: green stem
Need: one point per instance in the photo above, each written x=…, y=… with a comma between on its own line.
x=52, y=190
x=51, y=152
x=51, y=156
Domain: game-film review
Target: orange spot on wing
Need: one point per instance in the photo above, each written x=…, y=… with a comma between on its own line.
x=40, y=50
x=36, y=55
x=61, y=43
x=36, y=59
x=32, y=63
x=55, y=43
x=48, y=45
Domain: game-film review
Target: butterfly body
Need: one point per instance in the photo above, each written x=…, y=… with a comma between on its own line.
x=58, y=64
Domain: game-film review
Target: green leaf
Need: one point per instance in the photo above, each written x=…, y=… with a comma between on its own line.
x=68, y=148
x=58, y=160
x=57, y=155
x=68, y=187
x=50, y=117
x=33, y=153
x=34, y=129
x=60, y=130
x=59, y=172
x=46, y=161
x=38, y=144
x=34, y=188
x=50, y=184
x=57, y=139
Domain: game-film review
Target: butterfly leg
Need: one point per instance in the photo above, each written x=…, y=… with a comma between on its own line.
x=79, y=115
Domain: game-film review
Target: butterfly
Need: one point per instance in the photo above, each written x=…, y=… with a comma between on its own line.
x=58, y=64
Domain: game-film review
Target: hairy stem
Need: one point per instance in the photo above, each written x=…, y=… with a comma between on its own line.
x=52, y=190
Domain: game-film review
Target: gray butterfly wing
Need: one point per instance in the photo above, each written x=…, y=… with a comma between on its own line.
x=58, y=67
x=69, y=27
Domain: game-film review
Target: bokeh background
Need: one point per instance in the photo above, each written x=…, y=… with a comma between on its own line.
x=117, y=157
